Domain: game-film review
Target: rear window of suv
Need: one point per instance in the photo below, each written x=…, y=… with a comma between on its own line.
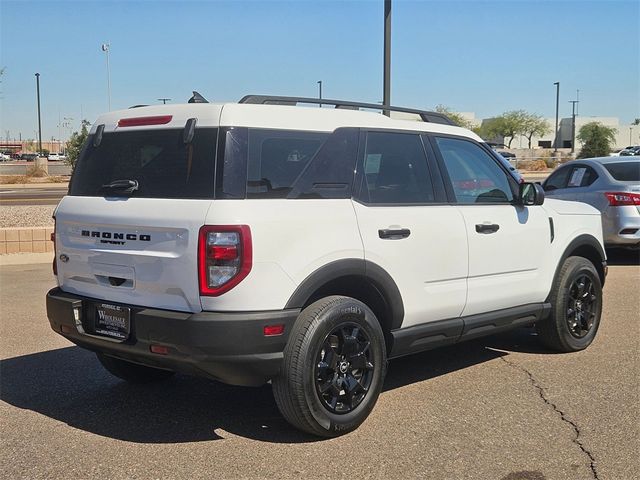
x=624, y=171
x=159, y=160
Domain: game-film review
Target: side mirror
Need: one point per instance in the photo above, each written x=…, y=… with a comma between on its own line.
x=531, y=194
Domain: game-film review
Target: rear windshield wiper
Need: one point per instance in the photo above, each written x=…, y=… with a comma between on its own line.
x=124, y=186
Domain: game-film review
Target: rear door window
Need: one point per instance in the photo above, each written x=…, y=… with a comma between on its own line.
x=581, y=176
x=159, y=160
x=394, y=170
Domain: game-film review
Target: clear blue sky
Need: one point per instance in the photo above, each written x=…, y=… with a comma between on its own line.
x=483, y=57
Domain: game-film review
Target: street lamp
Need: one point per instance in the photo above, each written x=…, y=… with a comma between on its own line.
x=319, y=82
x=39, y=120
x=630, y=135
x=106, y=47
x=555, y=140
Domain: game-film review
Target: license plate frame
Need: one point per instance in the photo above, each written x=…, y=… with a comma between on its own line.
x=112, y=321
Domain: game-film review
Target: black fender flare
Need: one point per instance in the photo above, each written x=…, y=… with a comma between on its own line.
x=378, y=277
x=582, y=241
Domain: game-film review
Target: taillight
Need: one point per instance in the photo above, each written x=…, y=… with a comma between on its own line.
x=618, y=199
x=53, y=239
x=224, y=257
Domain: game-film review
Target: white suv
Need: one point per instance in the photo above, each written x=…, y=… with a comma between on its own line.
x=264, y=241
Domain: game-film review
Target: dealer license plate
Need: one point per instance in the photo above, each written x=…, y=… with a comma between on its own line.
x=112, y=321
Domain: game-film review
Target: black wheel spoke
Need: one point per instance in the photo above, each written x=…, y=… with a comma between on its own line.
x=344, y=369
x=581, y=306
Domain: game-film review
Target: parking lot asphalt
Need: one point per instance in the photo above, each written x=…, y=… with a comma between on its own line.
x=498, y=408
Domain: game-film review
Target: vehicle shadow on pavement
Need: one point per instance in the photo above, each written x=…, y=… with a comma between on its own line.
x=69, y=385
x=618, y=256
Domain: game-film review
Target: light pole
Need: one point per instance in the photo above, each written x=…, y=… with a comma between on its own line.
x=573, y=124
x=630, y=134
x=319, y=82
x=164, y=100
x=39, y=120
x=106, y=47
x=555, y=140
x=386, y=87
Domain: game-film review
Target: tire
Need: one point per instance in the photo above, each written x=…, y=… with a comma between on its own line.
x=330, y=379
x=132, y=372
x=575, y=311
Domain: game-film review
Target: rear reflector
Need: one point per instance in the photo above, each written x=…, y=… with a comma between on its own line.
x=159, y=349
x=141, y=121
x=618, y=199
x=272, y=330
x=55, y=253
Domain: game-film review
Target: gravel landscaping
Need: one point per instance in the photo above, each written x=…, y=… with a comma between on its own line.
x=26, y=216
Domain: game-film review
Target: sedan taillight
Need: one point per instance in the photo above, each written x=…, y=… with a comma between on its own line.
x=618, y=199
x=224, y=257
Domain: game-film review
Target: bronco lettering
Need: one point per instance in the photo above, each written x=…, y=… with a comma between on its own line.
x=115, y=235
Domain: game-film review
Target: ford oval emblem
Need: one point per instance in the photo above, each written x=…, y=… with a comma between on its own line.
x=64, y=258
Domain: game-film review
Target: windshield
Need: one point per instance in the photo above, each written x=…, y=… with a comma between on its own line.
x=624, y=171
x=159, y=160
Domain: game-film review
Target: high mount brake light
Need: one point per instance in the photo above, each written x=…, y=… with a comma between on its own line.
x=618, y=199
x=224, y=257
x=142, y=121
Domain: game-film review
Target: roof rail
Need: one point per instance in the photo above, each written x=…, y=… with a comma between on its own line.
x=432, y=117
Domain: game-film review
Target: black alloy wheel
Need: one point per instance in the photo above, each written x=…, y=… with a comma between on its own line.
x=581, y=306
x=344, y=369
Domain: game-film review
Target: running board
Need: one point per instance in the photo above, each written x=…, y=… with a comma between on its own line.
x=447, y=332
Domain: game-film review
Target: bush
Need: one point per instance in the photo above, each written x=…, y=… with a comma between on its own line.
x=597, y=140
x=36, y=172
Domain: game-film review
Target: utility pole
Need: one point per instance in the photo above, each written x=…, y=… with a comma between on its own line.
x=555, y=140
x=39, y=120
x=573, y=124
x=319, y=82
x=164, y=100
x=386, y=88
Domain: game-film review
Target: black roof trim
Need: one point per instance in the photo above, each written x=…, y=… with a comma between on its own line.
x=197, y=98
x=426, y=116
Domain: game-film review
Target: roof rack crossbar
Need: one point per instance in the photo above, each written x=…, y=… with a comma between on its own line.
x=426, y=116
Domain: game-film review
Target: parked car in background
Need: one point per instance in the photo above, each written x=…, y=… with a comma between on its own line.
x=54, y=157
x=612, y=185
x=29, y=156
x=630, y=151
x=4, y=157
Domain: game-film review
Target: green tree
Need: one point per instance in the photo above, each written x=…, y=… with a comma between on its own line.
x=597, y=140
x=636, y=121
x=75, y=144
x=507, y=125
x=456, y=117
x=535, y=125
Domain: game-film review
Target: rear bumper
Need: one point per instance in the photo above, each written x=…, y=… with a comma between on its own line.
x=621, y=227
x=226, y=346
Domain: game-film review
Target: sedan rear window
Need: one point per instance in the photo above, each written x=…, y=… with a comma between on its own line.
x=624, y=171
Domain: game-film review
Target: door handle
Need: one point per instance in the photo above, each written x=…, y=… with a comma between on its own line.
x=487, y=227
x=394, y=234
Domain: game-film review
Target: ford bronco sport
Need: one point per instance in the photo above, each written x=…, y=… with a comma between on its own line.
x=264, y=241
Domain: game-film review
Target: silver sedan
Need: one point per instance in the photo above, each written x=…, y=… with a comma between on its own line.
x=610, y=184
